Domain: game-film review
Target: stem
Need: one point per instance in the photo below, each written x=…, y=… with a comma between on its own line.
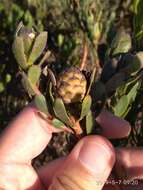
x=85, y=54
x=47, y=54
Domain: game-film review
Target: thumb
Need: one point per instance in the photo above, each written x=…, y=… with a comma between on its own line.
x=87, y=167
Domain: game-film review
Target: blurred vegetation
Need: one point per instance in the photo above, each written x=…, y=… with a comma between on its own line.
x=69, y=23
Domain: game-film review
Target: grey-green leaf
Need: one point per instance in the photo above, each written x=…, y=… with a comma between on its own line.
x=131, y=64
x=18, y=50
x=57, y=123
x=139, y=56
x=86, y=104
x=61, y=113
x=89, y=123
x=121, y=43
x=40, y=103
x=38, y=47
x=34, y=74
x=121, y=106
x=28, y=85
x=99, y=91
x=27, y=41
x=133, y=92
x=116, y=81
x=137, y=6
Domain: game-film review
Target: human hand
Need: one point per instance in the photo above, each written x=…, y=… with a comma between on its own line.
x=128, y=169
x=87, y=166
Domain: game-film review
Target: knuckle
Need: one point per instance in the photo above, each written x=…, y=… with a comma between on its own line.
x=65, y=182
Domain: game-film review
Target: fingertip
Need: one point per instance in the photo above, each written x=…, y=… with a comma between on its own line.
x=113, y=126
x=95, y=154
x=31, y=113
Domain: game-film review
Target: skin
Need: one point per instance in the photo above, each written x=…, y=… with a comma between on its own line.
x=88, y=166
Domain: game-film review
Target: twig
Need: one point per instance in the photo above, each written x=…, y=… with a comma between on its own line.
x=84, y=59
x=47, y=54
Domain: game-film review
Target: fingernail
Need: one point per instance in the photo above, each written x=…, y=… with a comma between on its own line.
x=95, y=157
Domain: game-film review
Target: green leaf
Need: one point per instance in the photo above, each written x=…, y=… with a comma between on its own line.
x=135, y=6
x=138, y=19
x=133, y=92
x=18, y=50
x=121, y=43
x=139, y=56
x=2, y=87
x=57, y=123
x=122, y=90
x=34, y=74
x=60, y=40
x=89, y=123
x=116, y=81
x=131, y=64
x=124, y=104
x=126, y=111
x=8, y=78
x=28, y=85
x=99, y=92
x=60, y=112
x=41, y=104
x=99, y=96
x=38, y=47
x=86, y=104
x=121, y=106
x=131, y=96
x=27, y=44
x=28, y=35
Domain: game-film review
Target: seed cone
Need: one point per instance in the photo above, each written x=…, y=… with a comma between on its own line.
x=71, y=85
